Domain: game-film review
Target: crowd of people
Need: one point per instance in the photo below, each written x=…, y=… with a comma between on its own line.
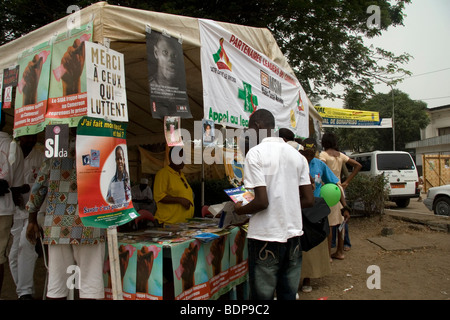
x=38, y=201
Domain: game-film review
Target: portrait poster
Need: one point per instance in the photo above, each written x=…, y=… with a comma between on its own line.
x=104, y=189
x=172, y=131
x=167, y=76
x=237, y=80
x=67, y=101
x=208, y=132
x=32, y=90
x=191, y=271
x=105, y=72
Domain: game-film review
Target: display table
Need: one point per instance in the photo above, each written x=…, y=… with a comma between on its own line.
x=167, y=264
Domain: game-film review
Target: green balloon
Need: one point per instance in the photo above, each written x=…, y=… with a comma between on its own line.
x=330, y=193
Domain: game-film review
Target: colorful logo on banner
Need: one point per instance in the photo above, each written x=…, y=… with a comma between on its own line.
x=104, y=187
x=237, y=80
x=250, y=100
x=221, y=58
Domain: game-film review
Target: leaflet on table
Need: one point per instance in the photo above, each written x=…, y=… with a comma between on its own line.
x=240, y=194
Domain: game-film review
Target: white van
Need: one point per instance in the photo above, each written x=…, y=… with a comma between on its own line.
x=398, y=167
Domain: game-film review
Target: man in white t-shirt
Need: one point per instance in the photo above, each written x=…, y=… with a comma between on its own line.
x=11, y=178
x=279, y=177
x=23, y=256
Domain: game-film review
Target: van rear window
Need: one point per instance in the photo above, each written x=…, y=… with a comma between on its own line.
x=395, y=161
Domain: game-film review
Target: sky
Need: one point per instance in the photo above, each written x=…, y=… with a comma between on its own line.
x=426, y=36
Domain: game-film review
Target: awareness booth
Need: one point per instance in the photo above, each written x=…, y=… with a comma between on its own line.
x=126, y=78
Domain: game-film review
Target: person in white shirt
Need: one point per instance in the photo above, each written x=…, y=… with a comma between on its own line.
x=11, y=179
x=23, y=255
x=142, y=196
x=279, y=177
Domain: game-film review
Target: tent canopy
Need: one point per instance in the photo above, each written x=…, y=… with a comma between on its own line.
x=124, y=29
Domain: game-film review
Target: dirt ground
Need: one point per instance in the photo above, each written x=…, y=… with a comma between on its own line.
x=418, y=274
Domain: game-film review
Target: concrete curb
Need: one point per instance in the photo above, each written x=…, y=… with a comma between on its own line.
x=437, y=223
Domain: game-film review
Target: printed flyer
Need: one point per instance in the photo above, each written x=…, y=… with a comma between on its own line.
x=104, y=190
x=67, y=101
x=237, y=80
x=106, y=95
x=32, y=90
x=240, y=194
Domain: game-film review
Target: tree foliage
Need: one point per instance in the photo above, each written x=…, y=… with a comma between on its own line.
x=323, y=40
x=409, y=117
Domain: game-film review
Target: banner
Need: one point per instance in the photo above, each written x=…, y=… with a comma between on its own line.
x=32, y=90
x=237, y=80
x=349, y=118
x=67, y=101
x=167, y=76
x=104, y=190
x=106, y=95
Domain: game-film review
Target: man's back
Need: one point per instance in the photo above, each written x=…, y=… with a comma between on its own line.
x=281, y=169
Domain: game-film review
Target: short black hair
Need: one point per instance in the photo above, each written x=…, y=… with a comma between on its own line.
x=263, y=117
x=286, y=134
x=329, y=141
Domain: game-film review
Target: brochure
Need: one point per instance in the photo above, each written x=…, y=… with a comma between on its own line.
x=240, y=194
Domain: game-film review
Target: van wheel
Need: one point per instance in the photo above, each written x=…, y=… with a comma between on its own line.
x=402, y=203
x=442, y=206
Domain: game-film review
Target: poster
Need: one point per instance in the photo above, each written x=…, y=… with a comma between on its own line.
x=167, y=76
x=10, y=80
x=218, y=259
x=238, y=256
x=172, y=131
x=67, y=101
x=141, y=275
x=32, y=90
x=208, y=132
x=237, y=80
x=191, y=272
x=106, y=95
x=104, y=189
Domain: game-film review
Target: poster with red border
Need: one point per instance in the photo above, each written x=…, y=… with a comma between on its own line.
x=67, y=101
x=104, y=190
x=32, y=90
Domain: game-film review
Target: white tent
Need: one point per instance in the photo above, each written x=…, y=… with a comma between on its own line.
x=124, y=29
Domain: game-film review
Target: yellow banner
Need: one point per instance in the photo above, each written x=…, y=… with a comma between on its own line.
x=347, y=114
